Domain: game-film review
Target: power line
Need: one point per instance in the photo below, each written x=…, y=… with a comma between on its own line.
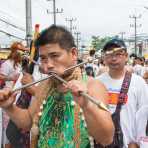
x=15, y=26
x=11, y=35
x=40, y=4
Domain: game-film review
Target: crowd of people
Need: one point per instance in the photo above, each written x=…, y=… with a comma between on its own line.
x=51, y=114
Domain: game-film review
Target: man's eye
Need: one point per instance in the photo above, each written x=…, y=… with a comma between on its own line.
x=43, y=58
x=54, y=56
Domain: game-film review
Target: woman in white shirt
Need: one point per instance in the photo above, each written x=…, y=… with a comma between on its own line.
x=9, y=72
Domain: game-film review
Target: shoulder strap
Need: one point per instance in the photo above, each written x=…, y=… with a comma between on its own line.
x=124, y=90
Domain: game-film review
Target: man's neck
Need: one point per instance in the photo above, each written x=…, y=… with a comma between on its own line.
x=117, y=74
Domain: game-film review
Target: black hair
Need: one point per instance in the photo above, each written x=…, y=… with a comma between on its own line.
x=114, y=43
x=92, y=52
x=111, y=46
x=89, y=71
x=139, y=58
x=56, y=34
x=133, y=55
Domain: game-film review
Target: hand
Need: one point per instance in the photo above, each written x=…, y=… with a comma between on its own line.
x=27, y=78
x=6, y=98
x=76, y=88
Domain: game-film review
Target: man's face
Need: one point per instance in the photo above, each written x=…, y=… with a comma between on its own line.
x=116, y=60
x=54, y=58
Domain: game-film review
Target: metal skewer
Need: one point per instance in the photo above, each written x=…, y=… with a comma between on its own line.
x=85, y=95
x=43, y=79
x=30, y=84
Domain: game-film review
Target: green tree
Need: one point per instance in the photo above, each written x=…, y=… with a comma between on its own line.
x=98, y=42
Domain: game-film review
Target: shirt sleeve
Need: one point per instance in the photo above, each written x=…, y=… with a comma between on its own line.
x=142, y=113
x=5, y=69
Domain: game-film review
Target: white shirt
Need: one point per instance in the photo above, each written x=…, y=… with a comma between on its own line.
x=138, y=69
x=137, y=98
x=7, y=69
x=94, y=66
x=141, y=124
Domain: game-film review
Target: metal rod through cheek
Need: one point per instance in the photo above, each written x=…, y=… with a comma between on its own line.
x=43, y=79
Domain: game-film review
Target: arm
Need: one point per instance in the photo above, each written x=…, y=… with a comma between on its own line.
x=99, y=122
x=5, y=77
x=133, y=145
x=9, y=78
x=21, y=117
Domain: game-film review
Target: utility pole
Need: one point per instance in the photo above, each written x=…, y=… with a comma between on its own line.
x=77, y=39
x=135, y=26
x=71, y=20
x=122, y=35
x=55, y=11
x=28, y=23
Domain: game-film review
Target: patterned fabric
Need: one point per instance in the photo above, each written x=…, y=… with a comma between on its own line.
x=61, y=124
x=18, y=137
x=24, y=102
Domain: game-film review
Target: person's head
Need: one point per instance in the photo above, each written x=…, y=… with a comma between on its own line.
x=15, y=54
x=80, y=61
x=57, y=49
x=139, y=60
x=89, y=71
x=115, y=54
x=92, y=52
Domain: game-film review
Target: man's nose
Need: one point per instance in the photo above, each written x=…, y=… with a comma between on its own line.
x=114, y=56
x=50, y=63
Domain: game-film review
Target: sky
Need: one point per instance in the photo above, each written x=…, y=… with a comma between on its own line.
x=93, y=17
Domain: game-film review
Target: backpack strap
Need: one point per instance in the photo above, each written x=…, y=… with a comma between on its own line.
x=124, y=91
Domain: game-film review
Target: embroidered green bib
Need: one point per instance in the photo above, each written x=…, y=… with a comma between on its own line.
x=58, y=126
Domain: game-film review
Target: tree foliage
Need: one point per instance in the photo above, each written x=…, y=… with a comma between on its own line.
x=98, y=42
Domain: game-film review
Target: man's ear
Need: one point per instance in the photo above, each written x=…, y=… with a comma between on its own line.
x=74, y=53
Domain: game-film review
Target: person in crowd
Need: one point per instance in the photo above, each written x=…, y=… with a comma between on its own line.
x=9, y=73
x=60, y=116
x=102, y=66
x=89, y=71
x=138, y=68
x=127, y=93
x=30, y=72
x=10, y=69
x=91, y=62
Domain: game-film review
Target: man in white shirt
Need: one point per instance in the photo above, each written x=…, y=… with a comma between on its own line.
x=115, y=56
